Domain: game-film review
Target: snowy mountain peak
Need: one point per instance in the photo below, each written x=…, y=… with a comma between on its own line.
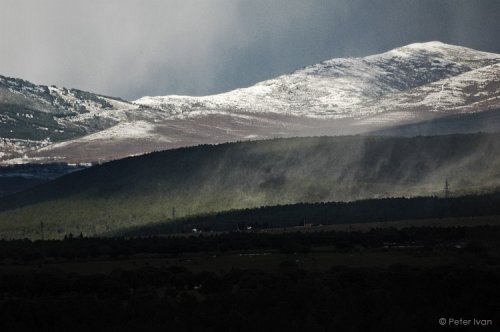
x=438, y=46
x=429, y=46
x=439, y=50
x=335, y=88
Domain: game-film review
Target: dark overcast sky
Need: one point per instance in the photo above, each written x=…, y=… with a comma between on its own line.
x=131, y=48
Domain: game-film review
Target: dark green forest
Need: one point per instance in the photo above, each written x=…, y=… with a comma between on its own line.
x=332, y=213
x=208, y=179
x=478, y=238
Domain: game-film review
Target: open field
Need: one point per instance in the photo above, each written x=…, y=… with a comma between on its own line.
x=267, y=261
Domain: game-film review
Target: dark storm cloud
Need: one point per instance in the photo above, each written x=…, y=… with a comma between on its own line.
x=135, y=48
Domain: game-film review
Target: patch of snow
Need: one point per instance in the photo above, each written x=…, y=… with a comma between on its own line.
x=127, y=130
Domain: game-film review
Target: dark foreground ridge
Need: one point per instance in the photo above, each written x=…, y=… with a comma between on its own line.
x=381, y=280
x=175, y=299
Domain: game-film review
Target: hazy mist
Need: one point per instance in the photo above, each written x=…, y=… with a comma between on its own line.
x=203, y=179
x=131, y=48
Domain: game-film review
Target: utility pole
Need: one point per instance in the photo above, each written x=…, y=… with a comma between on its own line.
x=173, y=219
x=446, y=189
x=42, y=235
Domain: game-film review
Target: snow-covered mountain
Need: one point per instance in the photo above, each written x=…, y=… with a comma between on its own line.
x=412, y=85
x=338, y=88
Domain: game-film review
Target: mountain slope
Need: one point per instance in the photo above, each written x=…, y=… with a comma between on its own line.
x=33, y=116
x=418, y=83
x=471, y=92
x=144, y=189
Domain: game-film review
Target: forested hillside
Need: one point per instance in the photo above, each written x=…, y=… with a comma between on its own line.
x=203, y=179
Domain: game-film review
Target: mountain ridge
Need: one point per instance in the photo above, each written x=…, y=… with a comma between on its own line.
x=416, y=83
x=374, y=76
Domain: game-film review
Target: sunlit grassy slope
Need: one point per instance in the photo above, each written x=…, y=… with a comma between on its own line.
x=144, y=189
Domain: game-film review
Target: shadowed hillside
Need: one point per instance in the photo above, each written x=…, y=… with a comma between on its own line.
x=145, y=189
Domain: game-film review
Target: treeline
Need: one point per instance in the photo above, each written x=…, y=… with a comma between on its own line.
x=172, y=298
x=301, y=242
x=363, y=211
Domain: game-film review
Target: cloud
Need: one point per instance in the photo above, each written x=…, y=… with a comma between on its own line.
x=131, y=48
